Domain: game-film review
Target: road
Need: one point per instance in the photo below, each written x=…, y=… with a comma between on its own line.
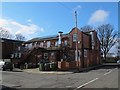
x=104, y=77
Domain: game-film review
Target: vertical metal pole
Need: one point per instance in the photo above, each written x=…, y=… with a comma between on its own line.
x=76, y=39
x=76, y=19
x=76, y=36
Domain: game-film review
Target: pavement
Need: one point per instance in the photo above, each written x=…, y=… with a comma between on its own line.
x=36, y=70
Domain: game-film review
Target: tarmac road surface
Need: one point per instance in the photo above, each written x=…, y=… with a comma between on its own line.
x=104, y=77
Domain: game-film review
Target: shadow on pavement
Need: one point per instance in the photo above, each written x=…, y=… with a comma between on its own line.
x=9, y=88
x=16, y=71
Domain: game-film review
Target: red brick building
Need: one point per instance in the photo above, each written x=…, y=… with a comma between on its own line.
x=7, y=46
x=75, y=49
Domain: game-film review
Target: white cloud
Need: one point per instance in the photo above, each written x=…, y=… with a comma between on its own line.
x=3, y=22
x=77, y=8
x=29, y=20
x=99, y=16
x=15, y=27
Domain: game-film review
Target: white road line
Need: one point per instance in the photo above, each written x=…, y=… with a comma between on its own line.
x=86, y=83
x=108, y=72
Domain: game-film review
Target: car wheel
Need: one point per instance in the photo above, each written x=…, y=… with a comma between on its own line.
x=11, y=69
x=3, y=69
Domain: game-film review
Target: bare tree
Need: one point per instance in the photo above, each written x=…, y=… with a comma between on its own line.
x=86, y=28
x=4, y=33
x=107, y=38
x=19, y=37
x=118, y=47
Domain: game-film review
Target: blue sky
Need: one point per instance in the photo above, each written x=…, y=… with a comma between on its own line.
x=37, y=19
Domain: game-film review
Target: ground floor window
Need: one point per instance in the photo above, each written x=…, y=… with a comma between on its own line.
x=85, y=53
x=46, y=56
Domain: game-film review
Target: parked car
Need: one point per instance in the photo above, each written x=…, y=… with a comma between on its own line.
x=8, y=65
x=1, y=64
x=118, y=61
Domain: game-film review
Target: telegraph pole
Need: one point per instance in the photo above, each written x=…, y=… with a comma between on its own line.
x=76, y=36
x=77, y=59
x=76, y=19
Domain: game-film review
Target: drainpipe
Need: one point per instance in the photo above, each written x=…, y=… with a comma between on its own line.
x=60, y=43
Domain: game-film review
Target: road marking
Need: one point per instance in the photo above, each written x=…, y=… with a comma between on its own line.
x=86, y=83
x=108, y=72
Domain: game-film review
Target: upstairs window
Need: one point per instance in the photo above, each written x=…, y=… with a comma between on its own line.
x=74, y=37
x=48, y=44
x=19, y=48
x=19, y=55
x=41, y=44
x=65, y=42
x=56, y=43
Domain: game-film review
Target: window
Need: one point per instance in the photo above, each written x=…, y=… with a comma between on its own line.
x=12, y=55
x=52, y=54
x=48, y=44
x=30, y=46
x=85, y=53
x=76, y=58
x=41, y=44
x=16, y=55
x=92, y=39
x=56, y=43
x=79, y=54
x=26, y=45
x=19, y=55
x=65, y=42
x=35, y=44
x=19, y=48
x=74, y=37
x=45, y=56
x=92, y=46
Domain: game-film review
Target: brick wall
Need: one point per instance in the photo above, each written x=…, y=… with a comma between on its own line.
x=86, y=41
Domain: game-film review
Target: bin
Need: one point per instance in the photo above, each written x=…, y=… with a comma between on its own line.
x=22, y=66
x=41, y=67
x=47, y=66
x=53, y=66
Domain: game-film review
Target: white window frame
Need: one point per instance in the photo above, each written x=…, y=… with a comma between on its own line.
x=65, y=42
x=48, y=44
x=19, y=55
x=41, y=44
x=56, y=43
x=85, y=53
x=74, y=37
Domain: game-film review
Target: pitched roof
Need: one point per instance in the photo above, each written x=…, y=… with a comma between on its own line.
x=9, y=40
x=51, y=37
